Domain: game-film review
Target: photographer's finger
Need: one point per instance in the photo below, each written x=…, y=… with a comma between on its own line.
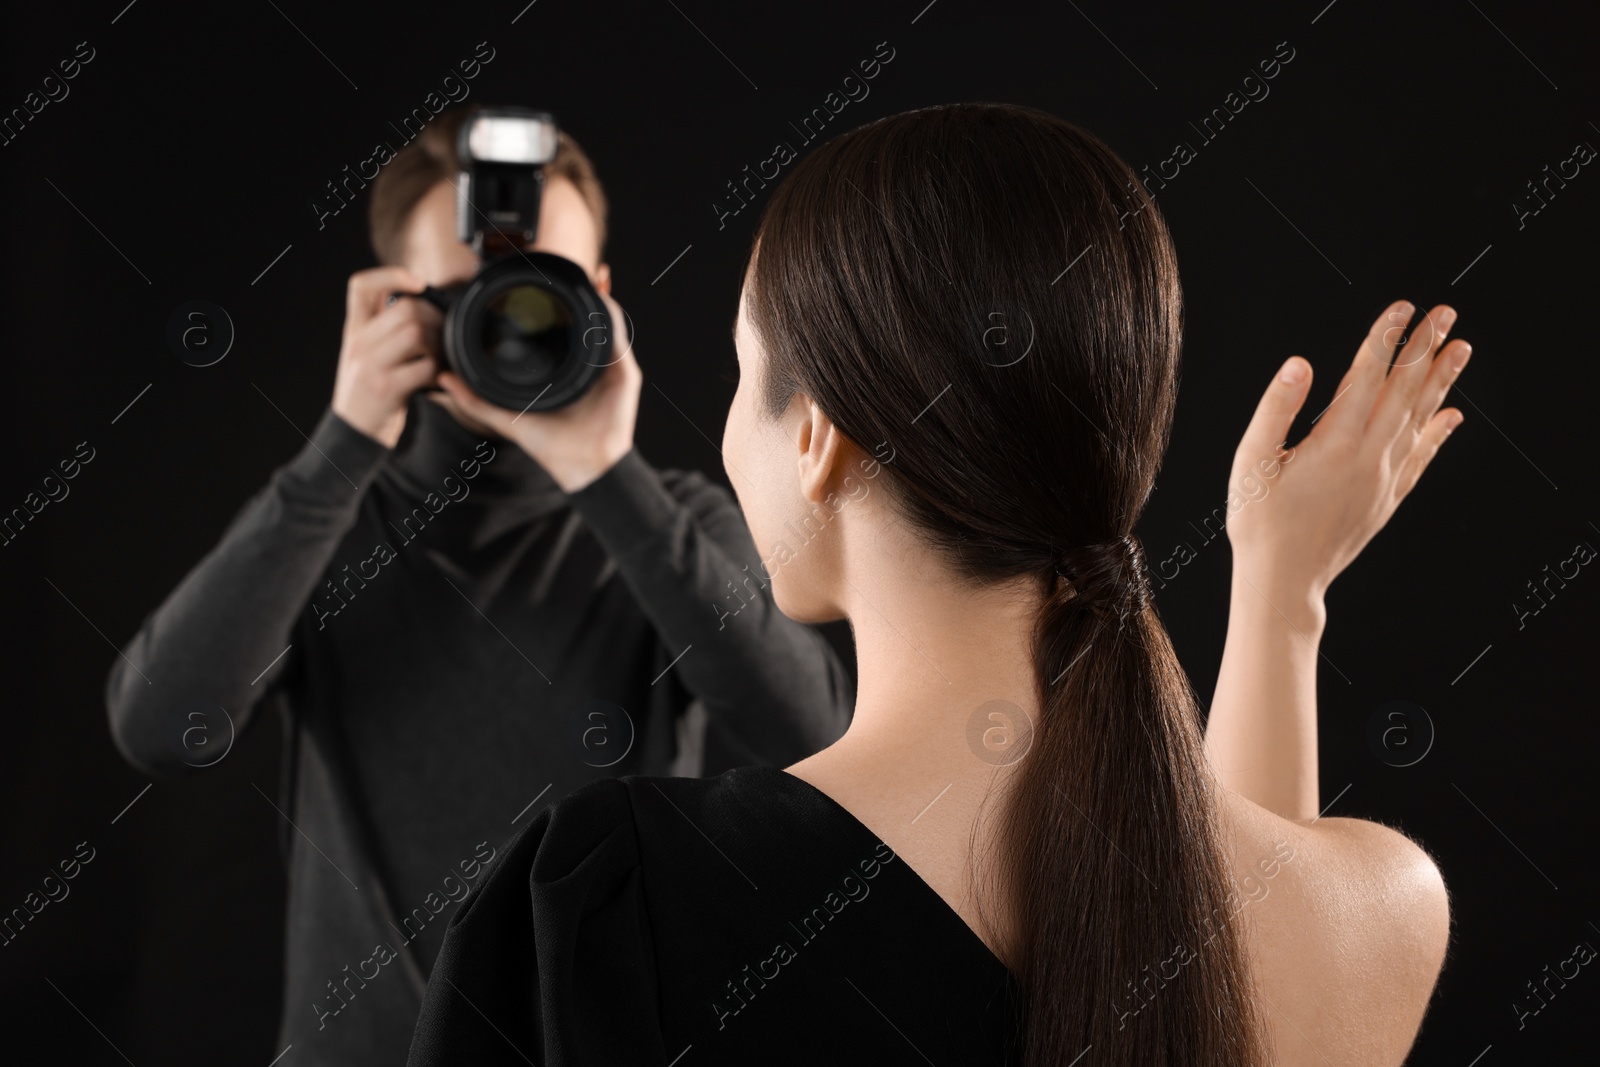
x=397, y=338
x=1398, y=402
x=426, y=311
x=471, y=402
x=621, y=328
x=1352, y=404
x=416, y=374
x=1440, y=427
x=368, y=291
x=403, y=310
x=1275, y=412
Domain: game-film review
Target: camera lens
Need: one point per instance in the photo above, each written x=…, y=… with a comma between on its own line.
x=529, y=332
x=526, y=333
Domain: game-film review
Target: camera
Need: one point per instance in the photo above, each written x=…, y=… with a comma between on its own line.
x=528, y=332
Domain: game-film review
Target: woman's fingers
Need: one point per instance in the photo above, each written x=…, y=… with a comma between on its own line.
x=1442, y=374
x=1398, y=404
x=1275, y=412
x=1348, y=411
x=1433, y=435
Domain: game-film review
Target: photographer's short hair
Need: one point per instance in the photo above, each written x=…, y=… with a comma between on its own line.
x=431, y=158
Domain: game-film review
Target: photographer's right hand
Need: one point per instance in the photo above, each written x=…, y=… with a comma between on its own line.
x=389, y=351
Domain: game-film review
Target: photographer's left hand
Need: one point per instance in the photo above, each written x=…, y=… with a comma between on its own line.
x=580, y=442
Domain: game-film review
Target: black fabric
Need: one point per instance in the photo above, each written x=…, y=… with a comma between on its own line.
x=439, y=626
x=741, y=919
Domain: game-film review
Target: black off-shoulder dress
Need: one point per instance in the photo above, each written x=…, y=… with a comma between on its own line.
x=746, y=918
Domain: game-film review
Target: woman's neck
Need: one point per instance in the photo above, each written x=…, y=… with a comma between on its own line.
x=945, y=703
x=932, y=657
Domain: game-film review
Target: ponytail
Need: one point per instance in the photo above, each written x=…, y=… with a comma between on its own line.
x=1111, y=849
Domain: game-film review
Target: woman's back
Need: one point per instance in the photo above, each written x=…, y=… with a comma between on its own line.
x=1345, y=921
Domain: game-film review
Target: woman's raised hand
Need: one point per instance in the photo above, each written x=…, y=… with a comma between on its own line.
x=1308, y=511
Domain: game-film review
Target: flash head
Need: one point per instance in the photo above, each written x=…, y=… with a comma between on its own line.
x=510, y=135
x=503, y=152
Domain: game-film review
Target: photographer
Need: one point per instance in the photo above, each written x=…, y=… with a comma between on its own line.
x=458, y=628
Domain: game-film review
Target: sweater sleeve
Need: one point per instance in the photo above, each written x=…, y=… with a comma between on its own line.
x=222, y=637
x=773, y=685
x=551, y=960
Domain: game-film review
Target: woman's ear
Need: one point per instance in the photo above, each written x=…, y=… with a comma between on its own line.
x=822, y=451
x=602, y=278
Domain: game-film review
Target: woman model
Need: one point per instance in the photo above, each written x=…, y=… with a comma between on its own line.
x=958, y=341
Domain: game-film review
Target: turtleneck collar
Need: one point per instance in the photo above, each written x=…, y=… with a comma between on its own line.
x=434, y=446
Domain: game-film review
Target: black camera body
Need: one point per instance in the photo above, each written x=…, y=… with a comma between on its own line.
x=529, y=332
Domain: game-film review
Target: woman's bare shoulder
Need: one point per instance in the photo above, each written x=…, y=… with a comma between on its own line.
x=1347, y=927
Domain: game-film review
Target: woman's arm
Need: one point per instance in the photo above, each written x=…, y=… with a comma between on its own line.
x=1262, y=732
x=1297, y=518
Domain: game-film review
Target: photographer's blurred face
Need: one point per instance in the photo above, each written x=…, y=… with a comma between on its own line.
x=435, y=254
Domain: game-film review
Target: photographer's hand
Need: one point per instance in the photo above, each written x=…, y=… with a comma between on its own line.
x=389, y=352
x=1298, y=518
x=580, y=442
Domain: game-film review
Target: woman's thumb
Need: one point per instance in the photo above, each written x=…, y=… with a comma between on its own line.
x=1275, y=413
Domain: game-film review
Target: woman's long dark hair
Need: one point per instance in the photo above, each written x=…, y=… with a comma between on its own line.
x=987, y=290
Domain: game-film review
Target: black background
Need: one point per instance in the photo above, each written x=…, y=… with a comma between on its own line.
x=1384, y=163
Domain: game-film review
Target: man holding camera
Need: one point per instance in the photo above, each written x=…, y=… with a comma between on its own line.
x=458, y=629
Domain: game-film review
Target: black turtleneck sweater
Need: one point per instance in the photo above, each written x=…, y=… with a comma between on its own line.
x=454, y=643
